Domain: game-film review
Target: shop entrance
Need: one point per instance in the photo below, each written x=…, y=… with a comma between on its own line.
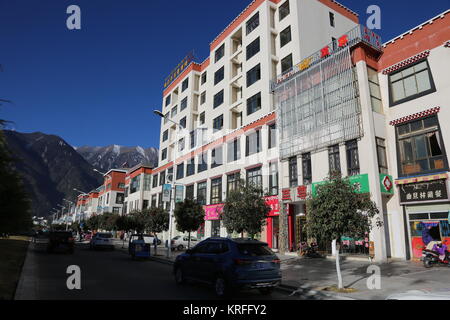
x=215, y=228
x=275, y=232
x=300, y=230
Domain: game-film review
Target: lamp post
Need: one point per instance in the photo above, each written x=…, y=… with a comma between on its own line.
x=172, y=186
x=84, y=194
x=65, y=219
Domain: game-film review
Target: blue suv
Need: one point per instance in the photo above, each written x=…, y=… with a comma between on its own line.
x=230, y=264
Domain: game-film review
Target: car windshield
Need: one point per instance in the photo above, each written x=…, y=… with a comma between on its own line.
x=254, y=250
x=177, y=237
x=105, y=235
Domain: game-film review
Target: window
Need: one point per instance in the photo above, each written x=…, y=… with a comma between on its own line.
x=272, y=136
x=234, y=150
x=351, y=148
x=183, y=104
x=167, y=100
x=233, y=182
x=184, y=84
x=126, y=191
x=331, y=19
x=203, y=77
x=164, y=154
x=254, y=103
x=121, y=185
x=190, y=192
x=381, y=155
x=253, y=143
x=286, y=63
x=215, y=231
x=201, y=193
x=333, y=43
x=107, y=198
x=306, y=168
x=147, y=182
x=166, y=117
x=203, y=98
x=252, y=23
x=218, y=99
x=293, y=172
x=174, y=111
x=202, y=162
x=202, y=118
x=183, y=122
x=116, y=210
x=155, y=181
x=420, y=147
x=375, y=93
x=180, y=171
x=220, y=52
x=285, y=37
x=160, y=202
x=253, y=48
x=216, y=157
x=218, y=123
x=410, y=83
x=193, y=137
x=334, y=160
x=190, y=167
x=145, y=204
x=284, y=10
x=162, y=178
x=273, y=178
x=165, y=135
x=120, y=197
x=216, y=190
x=154, y=201
x=253, y=75
x=218, y=76
x=254, y=177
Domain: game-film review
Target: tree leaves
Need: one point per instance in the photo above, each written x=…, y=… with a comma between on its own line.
x=338, y=210
x=245, y=210
x=189, y=215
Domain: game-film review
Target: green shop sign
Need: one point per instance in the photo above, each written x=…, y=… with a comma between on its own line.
x=360, y=181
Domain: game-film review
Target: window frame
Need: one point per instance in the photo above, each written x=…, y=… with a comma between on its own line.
x=258, y=98
x=215, y=185
x=350, y=147
x=414, y=96
x=219, y=72
x=218, y=94
x=281, y=36
x=255, y=70
x=307, y=174
x=250, y=54
x=219, y=51
x=282, y=9
x=332, y=155
x=252, y=24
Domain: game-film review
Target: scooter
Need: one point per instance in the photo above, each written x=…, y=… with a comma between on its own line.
x=309, y=251
x=433, y=257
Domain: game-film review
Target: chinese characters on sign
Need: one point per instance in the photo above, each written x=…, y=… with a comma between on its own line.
x=423, y=191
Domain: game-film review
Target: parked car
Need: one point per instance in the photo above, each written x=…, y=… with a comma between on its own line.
x=60, y=240
x=230, y=264
x=102, y=240
x=181, y=242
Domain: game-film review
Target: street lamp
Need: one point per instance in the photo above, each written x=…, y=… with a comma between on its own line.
x=62, y=211
x=105, y=175
x=172, y=187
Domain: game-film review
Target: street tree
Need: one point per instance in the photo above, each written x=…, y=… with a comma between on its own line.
x=338, y=210
x=189, y=216
x=158, y=221
x=94, y=222
x=245, y=210
x=140, y=221
x=15, y=213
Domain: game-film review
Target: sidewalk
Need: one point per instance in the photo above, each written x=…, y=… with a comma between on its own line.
x=308, y=277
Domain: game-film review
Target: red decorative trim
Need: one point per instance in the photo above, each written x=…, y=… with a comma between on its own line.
x=233, y=172
x=407, y=62
x=215, y=177
x=415, y=116
x=253, y=166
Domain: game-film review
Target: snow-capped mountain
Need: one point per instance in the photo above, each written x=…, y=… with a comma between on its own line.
x=114, y=156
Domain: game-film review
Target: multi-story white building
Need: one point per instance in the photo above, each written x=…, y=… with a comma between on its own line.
x=111, y=195
x=287, y=96
x=137, y=189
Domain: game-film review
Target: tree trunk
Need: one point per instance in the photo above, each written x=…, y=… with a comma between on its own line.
x=283, y=235
x=338, y=266
x=189, y=240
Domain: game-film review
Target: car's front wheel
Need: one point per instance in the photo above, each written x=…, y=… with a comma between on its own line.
x=266, y=291
x=179, y=276
x=221, y=287
x=180, y=247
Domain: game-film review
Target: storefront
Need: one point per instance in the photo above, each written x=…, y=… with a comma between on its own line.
x=427, y=204
x=212, y=215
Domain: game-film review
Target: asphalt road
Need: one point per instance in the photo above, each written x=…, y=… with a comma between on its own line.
x=110, y=275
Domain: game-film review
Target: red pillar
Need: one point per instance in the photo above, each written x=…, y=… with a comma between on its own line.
x=269, y=231
x=291, y=227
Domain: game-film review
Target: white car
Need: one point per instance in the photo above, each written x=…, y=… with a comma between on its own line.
x=102, y=240
x=181, y=242
x=421, y=295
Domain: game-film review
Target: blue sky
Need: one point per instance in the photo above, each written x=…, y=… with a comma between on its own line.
x=97, y=86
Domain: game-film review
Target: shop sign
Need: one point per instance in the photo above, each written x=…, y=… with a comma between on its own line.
x=166, y=192
x=179, y=69
x=386, y=184
x=213, y=211
x=422, y=192
x=361, y=182
x=286, y=195
x=179, y=193
x=274, y=204
x=296, y=194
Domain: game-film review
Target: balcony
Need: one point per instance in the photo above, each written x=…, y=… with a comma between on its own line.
x=359, y=34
